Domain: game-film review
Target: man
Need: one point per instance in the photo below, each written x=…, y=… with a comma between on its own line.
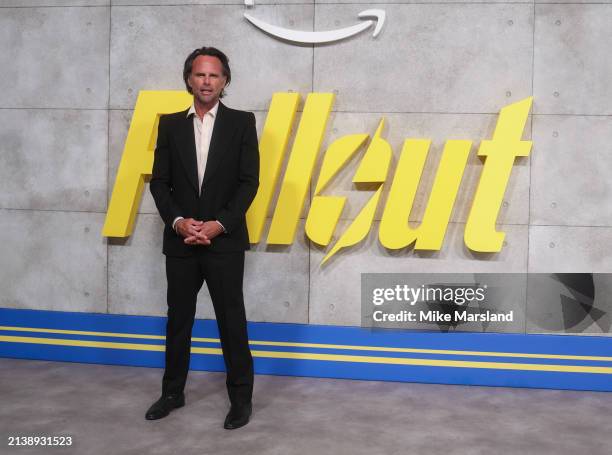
x=205, y=175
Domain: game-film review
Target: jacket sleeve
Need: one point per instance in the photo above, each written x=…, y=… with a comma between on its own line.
x=161, y=180
x=233, y=213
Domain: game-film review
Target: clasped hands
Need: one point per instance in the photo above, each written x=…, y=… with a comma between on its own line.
x=198, y=232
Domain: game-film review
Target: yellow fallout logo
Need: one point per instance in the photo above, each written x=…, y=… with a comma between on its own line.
x=480, y=235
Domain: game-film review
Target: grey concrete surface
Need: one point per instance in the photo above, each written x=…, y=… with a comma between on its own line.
x=31, y=3
x=136, y=270
x=571, y=69
x=203, y=2
x=102, y=408
x=454, y=48
x=573, y=1
x=277, y=280
x=569, y=176
x=570, y=249
x=440, y=70
x=53, y=159
x=57, y=260
x=54, y=57
x=413, y=1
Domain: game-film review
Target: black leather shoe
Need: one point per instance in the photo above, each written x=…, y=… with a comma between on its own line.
x=238, y=416
x=162, y=407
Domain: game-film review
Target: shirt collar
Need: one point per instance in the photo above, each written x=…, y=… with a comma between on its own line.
x=212, y=112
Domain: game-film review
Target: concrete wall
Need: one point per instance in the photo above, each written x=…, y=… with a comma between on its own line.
x=70, y=72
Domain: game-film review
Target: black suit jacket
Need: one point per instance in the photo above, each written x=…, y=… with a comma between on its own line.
x=230, y=180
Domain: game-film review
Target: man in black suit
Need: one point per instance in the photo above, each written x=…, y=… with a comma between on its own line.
x=205, y=175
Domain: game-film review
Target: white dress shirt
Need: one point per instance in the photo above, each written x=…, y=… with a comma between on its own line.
x=202, y=131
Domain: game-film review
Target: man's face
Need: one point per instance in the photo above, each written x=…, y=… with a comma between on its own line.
x=206, y=79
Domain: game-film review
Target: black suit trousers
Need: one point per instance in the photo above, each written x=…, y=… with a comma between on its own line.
x=223, y=273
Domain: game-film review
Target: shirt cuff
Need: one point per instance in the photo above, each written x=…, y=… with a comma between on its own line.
x=174, y=222
x=222, y=227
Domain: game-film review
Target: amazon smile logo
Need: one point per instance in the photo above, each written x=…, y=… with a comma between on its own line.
x=374, y=17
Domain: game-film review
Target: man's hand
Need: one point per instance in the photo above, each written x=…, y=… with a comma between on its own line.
x=205, y=232
x=189, y=229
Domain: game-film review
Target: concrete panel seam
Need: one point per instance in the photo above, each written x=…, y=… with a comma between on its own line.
x=108, y=145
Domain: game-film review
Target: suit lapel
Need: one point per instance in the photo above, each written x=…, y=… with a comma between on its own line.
x=185, y=139
x=222, y=133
